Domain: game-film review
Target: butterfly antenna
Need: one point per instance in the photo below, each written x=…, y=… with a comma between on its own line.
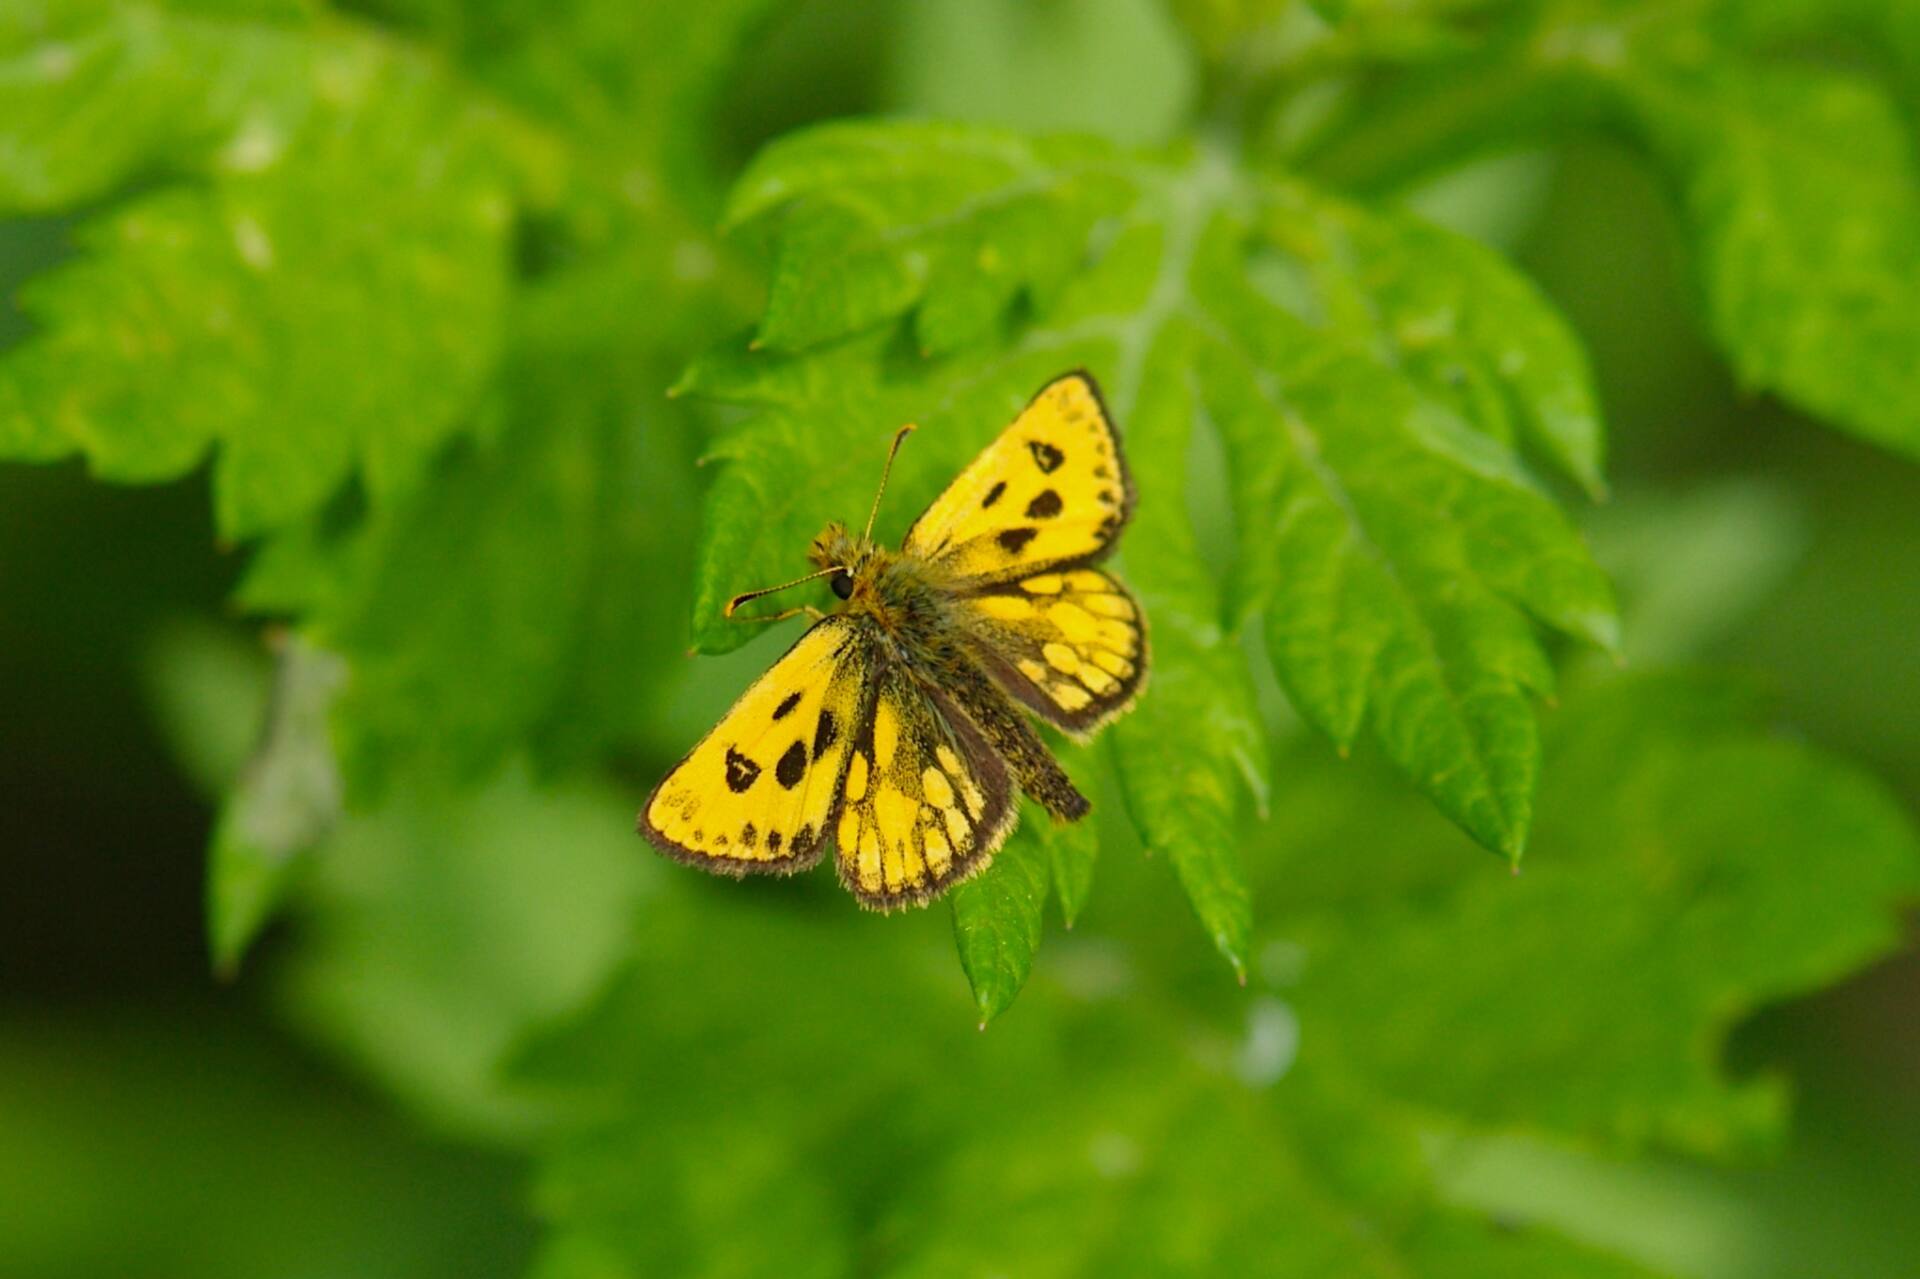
x=899, y=438
x=738, y=600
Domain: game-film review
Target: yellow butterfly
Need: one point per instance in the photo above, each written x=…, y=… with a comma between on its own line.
x=892, y=725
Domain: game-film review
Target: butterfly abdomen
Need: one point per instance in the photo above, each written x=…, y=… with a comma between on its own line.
x=1008, y=732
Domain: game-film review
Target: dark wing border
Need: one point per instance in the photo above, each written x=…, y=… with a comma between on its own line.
x=997, y=820
x=1083, y=723
x=1128, y=495
x=801, y=858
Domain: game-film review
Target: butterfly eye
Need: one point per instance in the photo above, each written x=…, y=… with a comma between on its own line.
x=842, y=584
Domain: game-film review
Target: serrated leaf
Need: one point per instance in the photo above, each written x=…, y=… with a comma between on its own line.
x=1195, y=741
x=1026, y=207
x=1342, y=452
x=1460, y=323
x=324, y=300
x=1689, y=869
x=541, y=552
x=1398, y=556
x=998, y=916
x=1800, y=192
x=634, y=84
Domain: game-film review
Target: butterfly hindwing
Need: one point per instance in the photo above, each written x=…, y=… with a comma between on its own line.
x=1071, y=645
x=1053, y=489
x=759, y=793
x=928, y=802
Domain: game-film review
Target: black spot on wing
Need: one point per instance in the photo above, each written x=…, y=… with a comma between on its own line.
x=742, y=772
x=792, y=766
x=993, y=494
x=1014, y=540
x=826, y=734
x=1044, y=507
x=749, y=835
x=1046, y=456
x=773, y=841
x=786, y=706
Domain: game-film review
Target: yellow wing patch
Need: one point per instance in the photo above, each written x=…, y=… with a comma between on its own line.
x=757, y=794
x=927, y=801
x=1071, y=645
x=1053, y=489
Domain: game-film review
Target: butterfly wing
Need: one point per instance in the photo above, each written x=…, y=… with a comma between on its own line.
x=1052, y=490
x=928, y=801
x=759, y=793
x=1072, y=645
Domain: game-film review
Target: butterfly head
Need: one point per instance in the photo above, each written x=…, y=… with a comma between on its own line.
x=836, y=548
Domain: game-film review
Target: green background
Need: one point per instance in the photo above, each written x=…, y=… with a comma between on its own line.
x=394, y=1081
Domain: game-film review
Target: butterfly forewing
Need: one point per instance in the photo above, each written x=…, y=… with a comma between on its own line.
x=1071, y=645
x=759, y=793
x=1053, y=489
x=892, y=727
x=927, y=800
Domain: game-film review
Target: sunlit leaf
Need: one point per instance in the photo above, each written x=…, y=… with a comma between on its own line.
x=317, y=285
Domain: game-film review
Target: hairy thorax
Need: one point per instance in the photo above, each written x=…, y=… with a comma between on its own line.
x=900, y=592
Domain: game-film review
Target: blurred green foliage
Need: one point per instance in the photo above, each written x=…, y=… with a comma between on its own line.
x=396, y=291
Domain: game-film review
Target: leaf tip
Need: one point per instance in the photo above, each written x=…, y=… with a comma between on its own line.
x=1231, y=951
x=1603, y=629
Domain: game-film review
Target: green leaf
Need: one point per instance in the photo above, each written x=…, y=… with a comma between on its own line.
x=1462, y=325
x=1195, y=741
x=1200, y=1178
x=1386, y=523
x=1066, y=1143
x=287, y=800
x=312, y=288
x=544, y=551
x=1398, y=555
x=998, y=915
x=1074, y=850
x=1799, y=190
x=636, y=83
x=958, y=239
x=439, y=928
x=1694, y=567
x=1689, y=869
